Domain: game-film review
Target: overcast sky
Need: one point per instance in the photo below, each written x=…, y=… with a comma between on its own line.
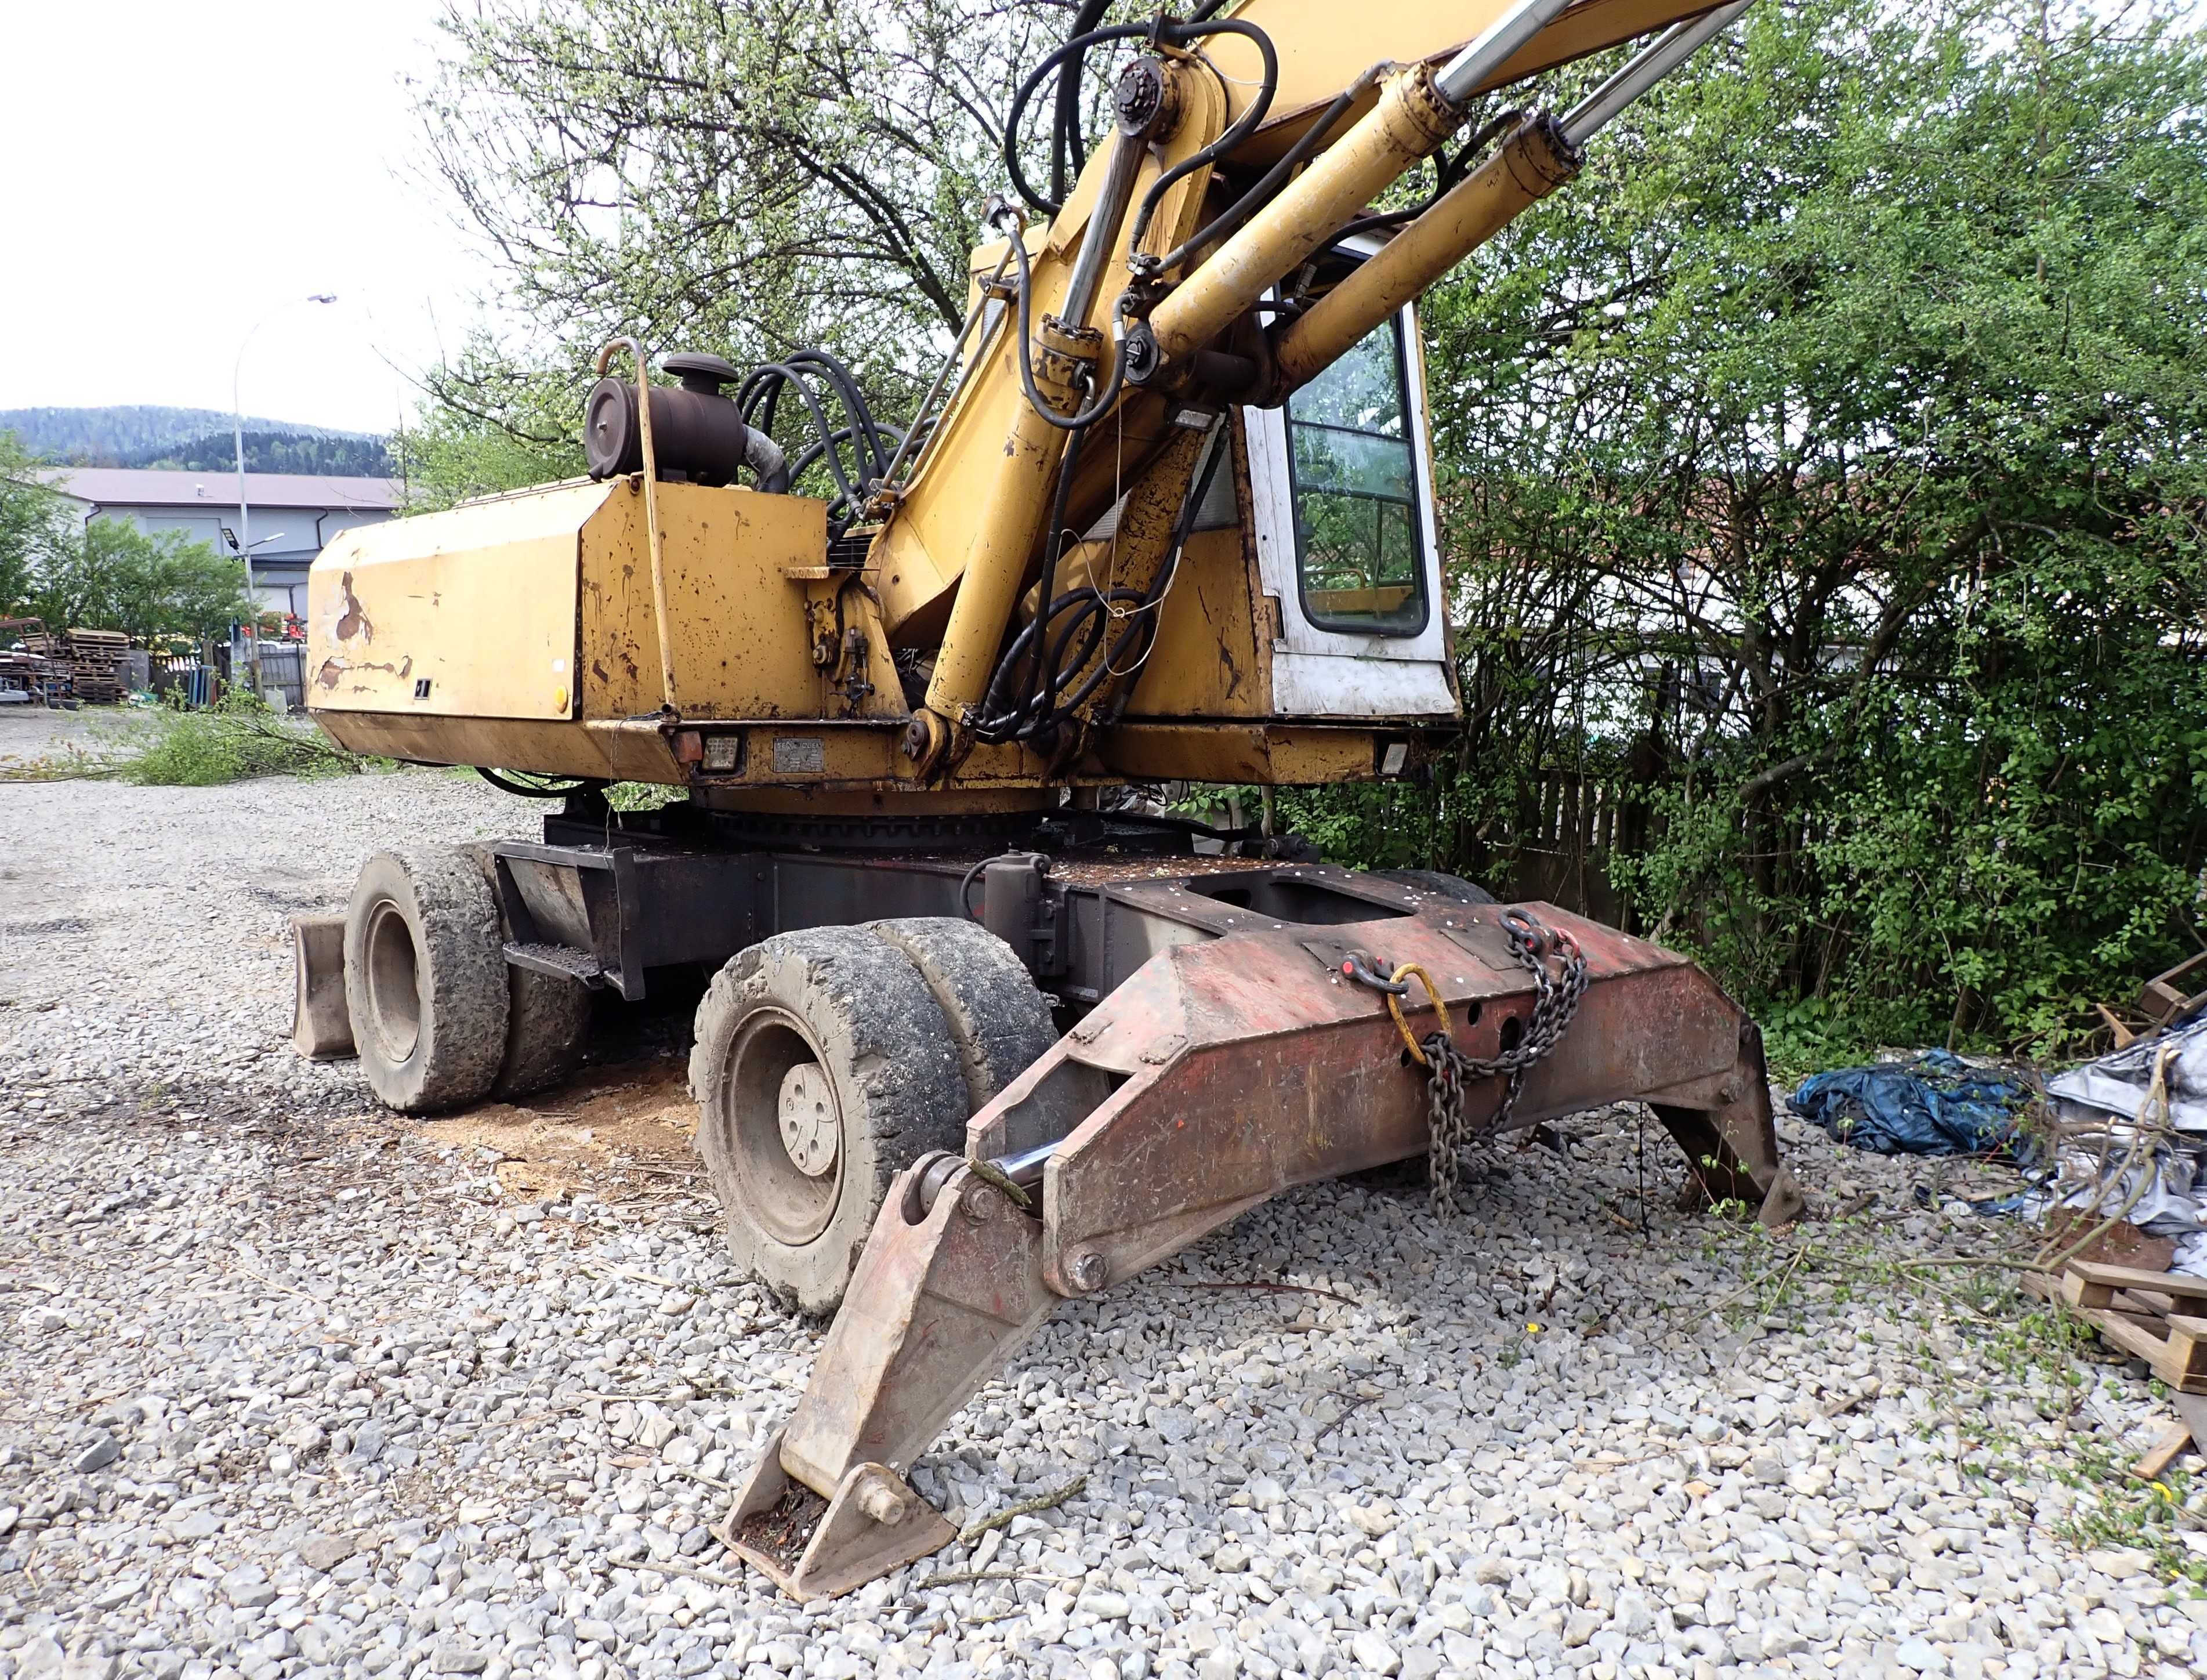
x=178, y=172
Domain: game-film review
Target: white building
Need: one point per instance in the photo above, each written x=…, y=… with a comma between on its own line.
x=292, y=515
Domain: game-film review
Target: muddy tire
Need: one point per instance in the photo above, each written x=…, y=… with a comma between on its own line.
x=1439, y=885
x=822, y=1068
x=425, y=980
x=547, y=1018
x=999, y=1024
x=547, y=1027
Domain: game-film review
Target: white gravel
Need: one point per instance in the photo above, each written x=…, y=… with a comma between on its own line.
x=289, y=1387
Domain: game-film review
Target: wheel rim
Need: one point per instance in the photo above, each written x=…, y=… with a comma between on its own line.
x=788, y=1156
x=394, y=981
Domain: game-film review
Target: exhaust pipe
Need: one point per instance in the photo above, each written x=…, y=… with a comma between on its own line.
x=1541, y=156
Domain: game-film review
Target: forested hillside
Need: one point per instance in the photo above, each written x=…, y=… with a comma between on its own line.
x=189, y=440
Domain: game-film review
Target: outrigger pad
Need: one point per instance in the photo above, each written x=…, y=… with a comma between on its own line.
x=813, y=1548
x=321, y=1026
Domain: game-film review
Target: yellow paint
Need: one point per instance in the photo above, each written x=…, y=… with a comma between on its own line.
x=740, y=643
x=477, y=603
x=1322, y=44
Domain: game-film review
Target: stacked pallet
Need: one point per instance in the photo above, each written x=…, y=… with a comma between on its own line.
x=2152, y=1315
x=90, y=659
x=2158, y=1317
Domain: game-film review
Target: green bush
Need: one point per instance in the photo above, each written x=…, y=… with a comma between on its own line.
x=236, y=739
x=1824, y=477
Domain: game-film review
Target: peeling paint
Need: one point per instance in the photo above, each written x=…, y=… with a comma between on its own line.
x=353, y=619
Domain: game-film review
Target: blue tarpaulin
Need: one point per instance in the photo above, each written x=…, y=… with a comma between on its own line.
x=1937, y=1104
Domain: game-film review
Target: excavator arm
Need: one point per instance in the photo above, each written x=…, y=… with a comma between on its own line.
x=1164, y=290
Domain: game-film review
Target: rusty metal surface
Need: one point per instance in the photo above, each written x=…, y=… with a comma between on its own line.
x=931, y=1309
x=1223, y=1072
x=1252, y=1065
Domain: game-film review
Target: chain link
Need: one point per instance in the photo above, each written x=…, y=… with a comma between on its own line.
x=1559, y=971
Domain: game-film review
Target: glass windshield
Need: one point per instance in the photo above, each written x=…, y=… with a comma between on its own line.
x=1357, y=537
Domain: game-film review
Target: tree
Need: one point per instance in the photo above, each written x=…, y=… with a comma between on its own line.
x=1829, y=488
x=746, y=177
x=116, y=576
x=34, y=523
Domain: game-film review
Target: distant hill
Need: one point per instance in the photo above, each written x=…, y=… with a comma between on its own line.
x=191, y=440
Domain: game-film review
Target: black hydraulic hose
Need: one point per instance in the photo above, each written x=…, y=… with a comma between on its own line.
x=766, y=384
x=1229, y=220
x=1450, y=174
x=504, y=785
x=1077, y=45
x=854, y=402
x=818, y=447
x=1082, y=418
x=1241, y=128
x=1068, y=156
x=1074, y=645
x=1053, y=549
x=1195, y=28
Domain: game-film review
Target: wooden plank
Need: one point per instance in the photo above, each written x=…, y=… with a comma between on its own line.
x=2163, y=1452
x=2128, y=1334
x=2079, y=1292
x=2130, y=1277
x=2184, y=1363
x=2146, y=1300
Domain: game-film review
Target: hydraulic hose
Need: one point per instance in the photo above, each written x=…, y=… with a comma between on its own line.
x=1101, y=405
x=1204, y=24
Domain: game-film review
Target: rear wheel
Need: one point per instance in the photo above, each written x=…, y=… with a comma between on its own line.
x=547, y=1016
x=822, y=1068
x=425, y=980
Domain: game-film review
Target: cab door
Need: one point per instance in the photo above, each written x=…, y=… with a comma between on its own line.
x=1342, y=494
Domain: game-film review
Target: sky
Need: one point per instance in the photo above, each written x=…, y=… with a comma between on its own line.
x=196, y=170
x=182, y=176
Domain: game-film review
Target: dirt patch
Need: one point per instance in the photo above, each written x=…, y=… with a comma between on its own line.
x=617, y=1131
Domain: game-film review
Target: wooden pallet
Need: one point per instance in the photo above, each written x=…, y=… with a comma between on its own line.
x=2152, y=1315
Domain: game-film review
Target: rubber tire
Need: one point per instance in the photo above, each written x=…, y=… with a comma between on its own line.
x=999, y=1024
x=547, y=1028
x=548, y=1017
x=874, y=1028
x=1433, y=881
x=459, y=986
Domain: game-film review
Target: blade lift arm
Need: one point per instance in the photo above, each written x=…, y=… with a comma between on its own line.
x=1219, y=1075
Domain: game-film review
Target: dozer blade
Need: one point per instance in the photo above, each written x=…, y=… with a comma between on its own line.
x=1218, y=1075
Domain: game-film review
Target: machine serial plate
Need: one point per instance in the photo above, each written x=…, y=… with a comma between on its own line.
x=799, y=756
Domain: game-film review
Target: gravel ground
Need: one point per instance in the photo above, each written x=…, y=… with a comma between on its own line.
x=290, y=1386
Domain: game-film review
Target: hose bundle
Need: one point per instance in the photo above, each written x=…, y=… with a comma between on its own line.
x=1065, y=642
x=818, y=378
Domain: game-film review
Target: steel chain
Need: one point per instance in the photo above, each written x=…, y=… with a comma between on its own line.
x=1449, y=1070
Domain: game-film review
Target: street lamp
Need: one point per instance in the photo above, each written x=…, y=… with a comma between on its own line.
x=245, y=543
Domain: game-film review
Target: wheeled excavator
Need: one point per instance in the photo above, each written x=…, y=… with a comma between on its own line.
x=987, y=1029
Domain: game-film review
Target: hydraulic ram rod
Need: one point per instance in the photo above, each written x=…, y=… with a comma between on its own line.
x=1417, y=111
x=1541, y=156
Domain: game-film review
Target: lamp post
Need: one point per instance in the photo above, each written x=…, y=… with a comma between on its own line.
x=238, y=417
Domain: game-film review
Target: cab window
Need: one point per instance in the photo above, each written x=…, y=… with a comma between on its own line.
x=1358, y=537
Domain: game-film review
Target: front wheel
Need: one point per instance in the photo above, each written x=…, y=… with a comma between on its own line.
x=822, y=1068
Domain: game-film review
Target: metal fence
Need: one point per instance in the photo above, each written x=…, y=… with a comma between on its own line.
x=283, y=669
